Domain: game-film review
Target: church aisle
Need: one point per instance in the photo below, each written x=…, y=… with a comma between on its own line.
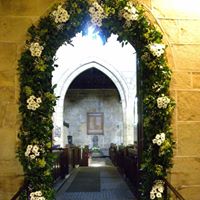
x=100, y=181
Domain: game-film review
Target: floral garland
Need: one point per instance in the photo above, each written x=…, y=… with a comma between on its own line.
x=37, y=99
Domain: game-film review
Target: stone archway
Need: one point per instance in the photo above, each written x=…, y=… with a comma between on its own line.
x=126, y=95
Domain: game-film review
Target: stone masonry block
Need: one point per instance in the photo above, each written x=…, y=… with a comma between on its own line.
x=171, y=29
x=7, y=94
x=185, y=171
x=7, y=78
x=179, y=9
x=188, y=138
x=44, y=5
x=187, y=57
x=18, y=7
x=182, y=31
x=8, y=116
x=9, y=186
x=8, y=143
x=14, y=29
x=190, y=192
x=181, y=80
x=188, y=105
x=189, y=31
x=196, y=80
x=8, y=52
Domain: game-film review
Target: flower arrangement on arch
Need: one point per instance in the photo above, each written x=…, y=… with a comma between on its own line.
x=60, y=15
x=157, y=49
x=157, y=189
x=33, y=102
x=129, y=13
x=125, y=19
x=97, y=14
x=37, y=196
x=36, y=49
x=32, y=151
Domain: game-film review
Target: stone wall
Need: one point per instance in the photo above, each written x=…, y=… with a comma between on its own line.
x=80, y=102
x=180, y=20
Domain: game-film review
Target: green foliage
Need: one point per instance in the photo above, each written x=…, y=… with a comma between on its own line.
x=35, y=80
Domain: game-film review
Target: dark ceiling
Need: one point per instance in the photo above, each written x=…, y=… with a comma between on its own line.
x=92, y=79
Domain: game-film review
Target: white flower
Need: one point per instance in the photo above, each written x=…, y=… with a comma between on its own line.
x=154, y=141
x=38, y=193
x=32, y=156
x=38, y=100
x=29, y=147
x=35, y=149
x=157, y=49
x=162, y=136
x=37, y=154
x=158, y=195
x=161, y=189
x=159, y=142
x=36, y=49
x=60, y=15
x=152, y=195
x=26, y=154
x=157, y=136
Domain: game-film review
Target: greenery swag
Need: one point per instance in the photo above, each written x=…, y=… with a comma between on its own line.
x=37, y=100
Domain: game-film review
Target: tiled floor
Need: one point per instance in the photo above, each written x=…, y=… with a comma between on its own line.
x=112, y=185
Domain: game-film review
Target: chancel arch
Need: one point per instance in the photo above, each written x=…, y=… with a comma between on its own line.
x=125, y=92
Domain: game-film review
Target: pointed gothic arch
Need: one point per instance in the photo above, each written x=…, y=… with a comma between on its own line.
x=117, y=79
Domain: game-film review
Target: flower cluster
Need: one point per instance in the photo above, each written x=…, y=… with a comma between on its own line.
x=33, y=103
x=97, y=14
x=36, y=49
x=32, y=151
x=159, y=139
x=60, y=15
x=157, y=49
x=129, y=13
x=36, y=196
x=157, y=190
x=163, y=101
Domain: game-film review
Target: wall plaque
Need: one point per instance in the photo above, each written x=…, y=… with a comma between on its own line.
x=95, y=123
